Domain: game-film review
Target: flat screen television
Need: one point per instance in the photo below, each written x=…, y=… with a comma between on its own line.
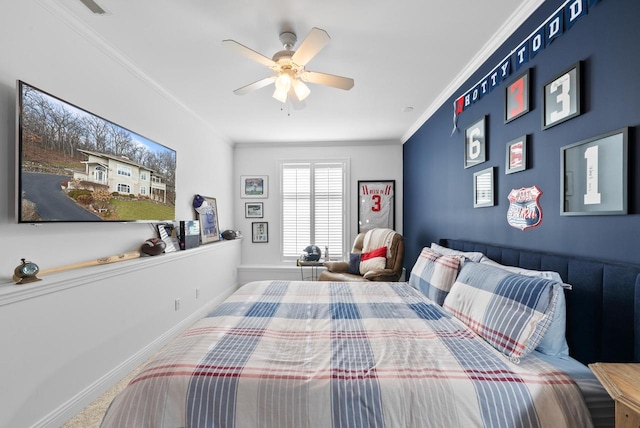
x=74, y=166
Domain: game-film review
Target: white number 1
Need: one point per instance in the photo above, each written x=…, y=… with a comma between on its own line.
x=592, y=196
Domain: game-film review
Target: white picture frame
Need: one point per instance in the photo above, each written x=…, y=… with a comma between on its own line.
x=254, y=186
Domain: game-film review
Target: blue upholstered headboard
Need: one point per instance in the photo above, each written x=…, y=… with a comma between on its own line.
x=603, y=309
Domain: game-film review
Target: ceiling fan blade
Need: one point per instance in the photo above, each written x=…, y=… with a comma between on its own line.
x=339, y=82
x=249, y=53
x=255, y=85
x=310, y=46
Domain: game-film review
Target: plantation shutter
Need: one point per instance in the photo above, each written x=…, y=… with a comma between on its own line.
x=313, y=207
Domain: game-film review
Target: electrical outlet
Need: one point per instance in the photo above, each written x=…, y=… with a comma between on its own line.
x=177, y=304
x=197, y=293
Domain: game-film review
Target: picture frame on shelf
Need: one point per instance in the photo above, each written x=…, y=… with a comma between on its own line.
x=475, y=143
x=209, y=229
x=376, y=204
x=517, y=101
x=516, y=156
x=254, y=186
x=483, y=190
x=594, y=175
x=561, y=97
x=260, y=232
x=253, y=210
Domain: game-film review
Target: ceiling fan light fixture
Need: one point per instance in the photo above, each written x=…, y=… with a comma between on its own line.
x=302, y=91
x=283, y=82
x=280, y=95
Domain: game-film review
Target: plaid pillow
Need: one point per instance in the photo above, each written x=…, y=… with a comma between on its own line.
x=434, y=274
x=510, y=311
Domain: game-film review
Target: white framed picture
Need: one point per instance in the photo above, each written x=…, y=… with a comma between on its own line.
x=254, y=186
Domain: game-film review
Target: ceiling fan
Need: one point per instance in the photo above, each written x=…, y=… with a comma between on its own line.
x=289, y=67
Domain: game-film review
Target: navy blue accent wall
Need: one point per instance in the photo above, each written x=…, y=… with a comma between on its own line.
x=438, y=190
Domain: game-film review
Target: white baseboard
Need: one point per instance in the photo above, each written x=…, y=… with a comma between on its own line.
x=85, y=397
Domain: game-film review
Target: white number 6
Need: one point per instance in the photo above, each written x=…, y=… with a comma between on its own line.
x=475, y=146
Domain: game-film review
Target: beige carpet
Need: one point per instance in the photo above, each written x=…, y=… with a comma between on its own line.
x=91, y=416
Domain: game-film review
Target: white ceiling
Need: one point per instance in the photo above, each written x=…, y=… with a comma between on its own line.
x=401, y=53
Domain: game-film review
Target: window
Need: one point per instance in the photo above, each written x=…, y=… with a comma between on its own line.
x=143, y=175
x=124, y=170
x=124, y=188
x=313, y=207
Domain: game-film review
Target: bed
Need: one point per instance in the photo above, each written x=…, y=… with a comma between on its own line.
x=330, y=354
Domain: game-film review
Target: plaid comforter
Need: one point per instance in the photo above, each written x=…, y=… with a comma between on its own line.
x=320, y=354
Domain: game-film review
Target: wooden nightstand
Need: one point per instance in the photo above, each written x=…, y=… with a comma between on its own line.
x=622, y=382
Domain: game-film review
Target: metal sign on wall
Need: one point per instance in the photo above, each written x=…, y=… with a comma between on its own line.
x=524, y=208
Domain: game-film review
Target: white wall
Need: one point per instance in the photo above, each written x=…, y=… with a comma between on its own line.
x=373, y=160
x=60, y=348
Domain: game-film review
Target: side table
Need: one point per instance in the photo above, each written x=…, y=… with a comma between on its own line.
x=622, y=382
x=314, y=268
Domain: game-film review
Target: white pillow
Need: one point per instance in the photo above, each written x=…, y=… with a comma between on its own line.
x=473, y=256
x=553, y=276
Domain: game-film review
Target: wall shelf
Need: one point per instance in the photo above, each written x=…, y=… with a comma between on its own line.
x=10, y=292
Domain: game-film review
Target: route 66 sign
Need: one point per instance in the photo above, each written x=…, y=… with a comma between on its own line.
x=524, y=210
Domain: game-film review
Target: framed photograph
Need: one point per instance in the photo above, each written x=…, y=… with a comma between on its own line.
x=483, y=194
x=253, y=210
x=517, y=98
x=260, y=231
x=475, y=143
x=376, y=204
x=209, y=230
x=561, y=97
x=594, y=175
x=254, y=186
x=516, y=159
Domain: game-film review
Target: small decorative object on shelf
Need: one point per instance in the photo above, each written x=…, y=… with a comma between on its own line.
x=26, y=272
x=153, y=246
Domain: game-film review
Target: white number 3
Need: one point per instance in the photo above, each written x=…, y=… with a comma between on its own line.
x=564, y=83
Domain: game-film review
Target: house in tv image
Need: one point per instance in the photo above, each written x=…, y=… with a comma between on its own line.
x=122, y=175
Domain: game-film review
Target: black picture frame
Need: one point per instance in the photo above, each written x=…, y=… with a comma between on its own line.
x=475, y=143
x=517, y=100
x=376, y=204
x=483, y=188
x=516, y=156
x=253, y=210
x=594, y=175
x=561, y=97
x=259, y=232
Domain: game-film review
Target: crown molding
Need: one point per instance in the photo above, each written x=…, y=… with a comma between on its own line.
x=504, y=32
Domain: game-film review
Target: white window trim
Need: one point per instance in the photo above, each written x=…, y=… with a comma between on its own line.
x=124, y=170
x=347, y=205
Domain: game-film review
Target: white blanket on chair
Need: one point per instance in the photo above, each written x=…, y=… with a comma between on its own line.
x=377, y=238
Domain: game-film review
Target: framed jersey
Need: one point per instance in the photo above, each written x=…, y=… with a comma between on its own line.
x=376, y=204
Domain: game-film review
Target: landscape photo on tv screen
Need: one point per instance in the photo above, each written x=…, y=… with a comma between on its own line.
x=74, y=166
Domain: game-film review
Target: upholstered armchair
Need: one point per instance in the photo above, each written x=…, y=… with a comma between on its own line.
x=367, y=260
